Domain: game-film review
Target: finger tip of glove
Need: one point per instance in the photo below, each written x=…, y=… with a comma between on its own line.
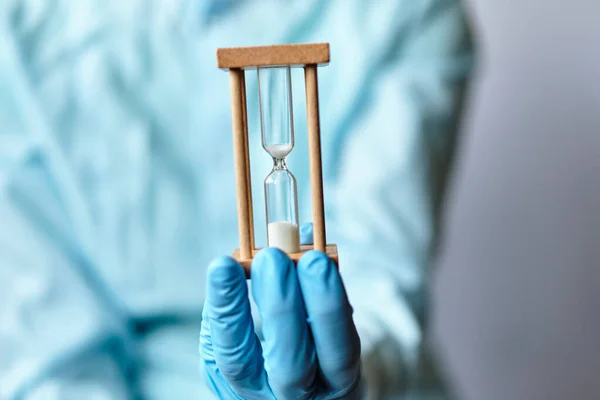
x=306, y=233
x=313, y=259
x=268, y=256
x=315, y=264
x=307, y=226
x=225, y=270
x=269, y=261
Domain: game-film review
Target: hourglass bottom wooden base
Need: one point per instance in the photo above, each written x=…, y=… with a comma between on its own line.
x=330, y=249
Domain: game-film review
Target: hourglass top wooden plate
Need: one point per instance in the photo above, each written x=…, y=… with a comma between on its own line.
x=330, y=249
x=270, y=56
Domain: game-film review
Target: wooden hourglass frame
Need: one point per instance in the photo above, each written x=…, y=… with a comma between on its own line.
x=237, y=61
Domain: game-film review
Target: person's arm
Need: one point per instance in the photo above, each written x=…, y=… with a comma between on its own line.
x=58, y=338
x=393, y=173
x=59, y=335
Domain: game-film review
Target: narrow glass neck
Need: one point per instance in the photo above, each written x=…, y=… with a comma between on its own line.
x=279, y=164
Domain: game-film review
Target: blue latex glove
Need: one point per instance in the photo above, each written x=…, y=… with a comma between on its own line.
x=311, y=349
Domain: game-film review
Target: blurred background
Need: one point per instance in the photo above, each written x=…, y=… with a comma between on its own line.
x=516, y=297
x=516, y=294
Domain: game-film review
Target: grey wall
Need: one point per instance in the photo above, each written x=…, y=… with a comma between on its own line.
x=517, y=294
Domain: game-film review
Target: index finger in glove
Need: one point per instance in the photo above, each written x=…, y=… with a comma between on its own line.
x=236, y=348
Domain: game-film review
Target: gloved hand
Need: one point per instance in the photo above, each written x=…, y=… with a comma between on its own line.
x=311, y=349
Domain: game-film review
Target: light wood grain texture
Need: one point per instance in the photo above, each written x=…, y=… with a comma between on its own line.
x=236, y=78
x=247, y=166
x=330, y=250
x=278, y=55
x=314, y=154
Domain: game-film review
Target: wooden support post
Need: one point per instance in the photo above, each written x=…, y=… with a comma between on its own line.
x=247, y=151
x=314, y=152
x=240, y=147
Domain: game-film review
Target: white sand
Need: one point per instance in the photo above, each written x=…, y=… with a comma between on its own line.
x=284, y=235
x=279, y=151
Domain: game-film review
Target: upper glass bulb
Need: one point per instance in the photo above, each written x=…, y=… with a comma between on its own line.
x=276, y=111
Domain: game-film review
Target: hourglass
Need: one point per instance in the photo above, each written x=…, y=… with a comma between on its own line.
x=273, y=65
